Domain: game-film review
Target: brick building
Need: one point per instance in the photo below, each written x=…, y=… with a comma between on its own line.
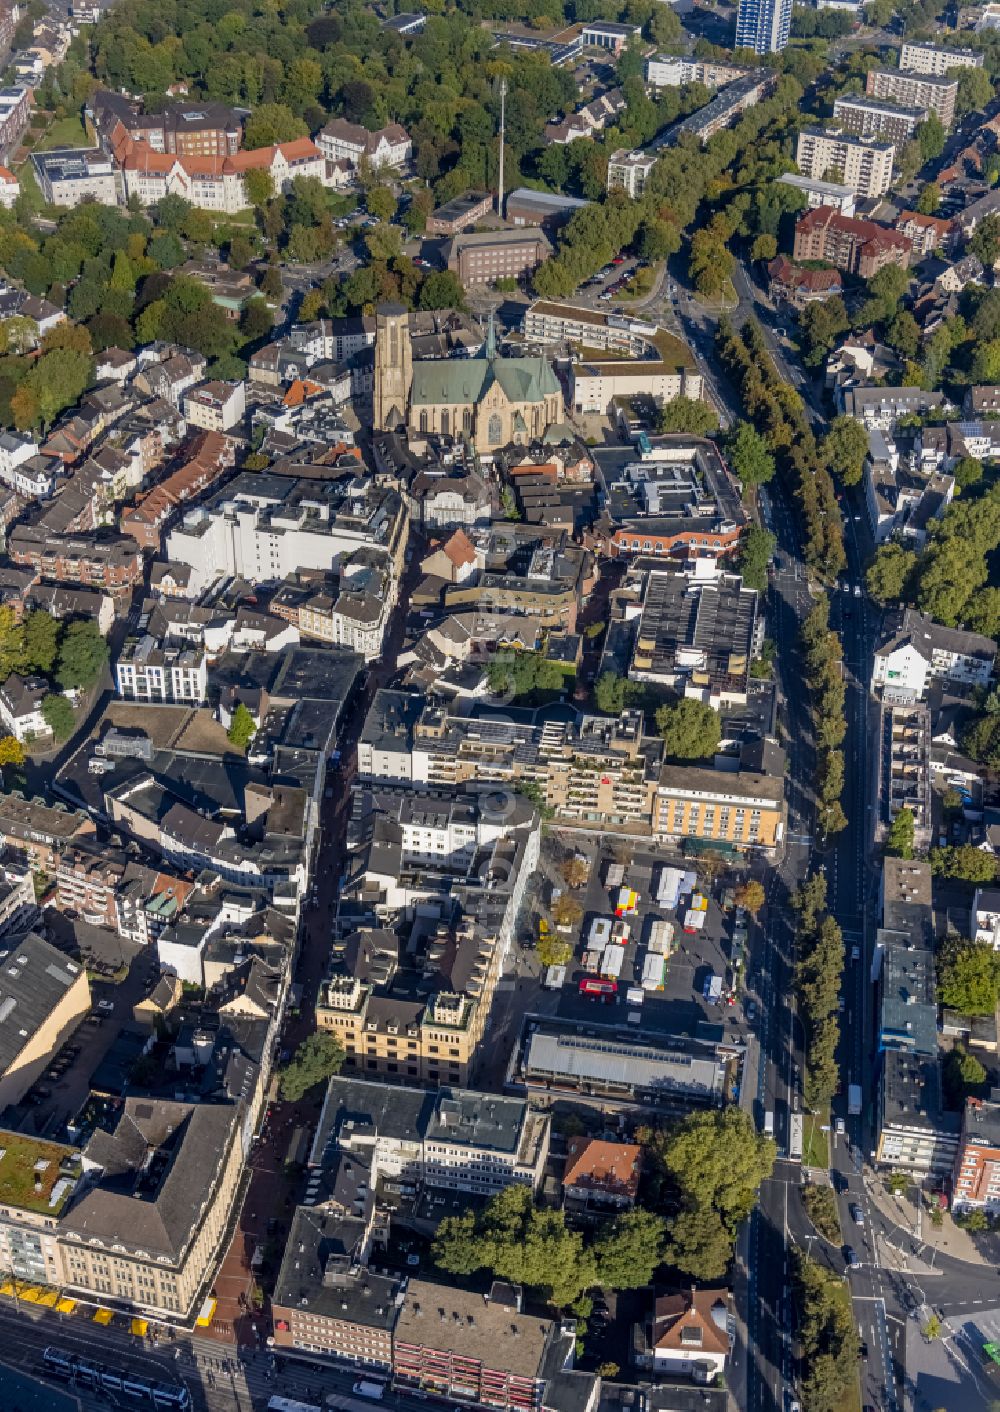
x=976, y=1182
x=463, y=1346
x=114, y=564
x=460, y=214
x=209, y=455
x=480, y=258
x=860, y=247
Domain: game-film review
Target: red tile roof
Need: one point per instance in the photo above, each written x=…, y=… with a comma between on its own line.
x=603, y=1166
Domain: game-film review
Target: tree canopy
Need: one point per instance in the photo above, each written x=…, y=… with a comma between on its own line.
x=83, y=654
x=242, y=727
x=968, y=976
x=691, y=729
x=708, y=1168
x=318, y=1058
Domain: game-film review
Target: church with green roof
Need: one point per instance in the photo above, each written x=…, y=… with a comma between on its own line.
x=491, y=400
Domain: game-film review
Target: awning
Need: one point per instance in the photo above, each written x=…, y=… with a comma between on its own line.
x=710, y=845
x=207, y=1313
x=139, y=1327
x=103, y=1316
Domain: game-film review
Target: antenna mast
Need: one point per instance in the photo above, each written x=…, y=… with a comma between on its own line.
x=503, y=105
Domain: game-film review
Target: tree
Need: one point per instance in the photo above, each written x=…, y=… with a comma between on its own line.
x=751, y=896
x=11, y=751
x=628, y=1251
x=317, y=1059
x=575, y=872
x=256, y=320
x=242, y=727
x=985, y=240
x=553, y=950
x=166, y=249
x=886, y=288
x=83, y=654
x=899, y=842
x=259, y=187
x=749, y=455
x=271, y=123
x=961, y=1074
x=930, y=137
x=975, y=89
x=964, y=861
x=755, y=553
x=710, y=1167
x=442, y=289
x=929, y=199
x=516, y=1241
x=765, y=247
x=55, y=382
x=691, y=730
x=609, y=693
x=535, y=794
x=968, y=976
x=658, y=239
x=381, y=203
x=890, y=572
x=828, y=1336
x=820, y=325
x=41, y=642
x=844, y=449
x=986, y=362
x=968, y=472
x=523, y=674
x=59, y=715
x=566, y=911
x=689, y=415
x=710, y=264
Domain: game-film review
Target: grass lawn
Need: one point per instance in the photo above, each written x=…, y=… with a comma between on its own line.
x=815, y=1142
x=65, y=132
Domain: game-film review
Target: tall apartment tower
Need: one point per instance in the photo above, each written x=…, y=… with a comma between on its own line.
x=393, y=366
x=763, y=25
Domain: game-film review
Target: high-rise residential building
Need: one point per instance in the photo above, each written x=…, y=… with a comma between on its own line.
x=888, y=120
x=763, y=25
x=937, y=58
x=935, y=92
x=866, y=167
x=629, y=171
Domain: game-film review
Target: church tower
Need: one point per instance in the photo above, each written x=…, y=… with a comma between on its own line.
x=393, y=366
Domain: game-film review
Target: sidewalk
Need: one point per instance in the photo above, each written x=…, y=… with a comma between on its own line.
x=921, y=1239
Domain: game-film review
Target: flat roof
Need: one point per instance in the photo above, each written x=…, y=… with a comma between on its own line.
x=547, y=200
x=668, y=1065
x=31, y=1169
x=439, y=1316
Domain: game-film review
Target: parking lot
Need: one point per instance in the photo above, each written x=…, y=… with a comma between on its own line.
x=681, y=1005
x=62, y=1089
